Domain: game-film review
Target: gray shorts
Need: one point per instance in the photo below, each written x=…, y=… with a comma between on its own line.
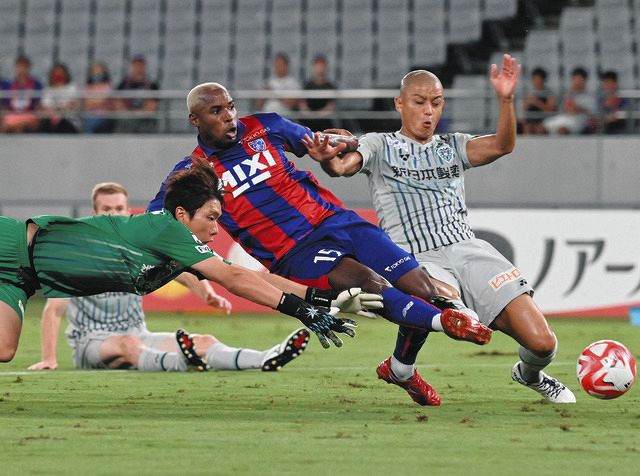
x=486, y=280
x=86, y=349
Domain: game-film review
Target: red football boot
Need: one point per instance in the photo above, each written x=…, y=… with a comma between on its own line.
x=460, y=326
x=420, y=391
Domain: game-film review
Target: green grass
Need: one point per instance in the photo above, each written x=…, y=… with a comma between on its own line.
x=326, y=413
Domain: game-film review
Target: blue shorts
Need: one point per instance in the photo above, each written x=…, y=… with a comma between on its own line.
x=341, y=235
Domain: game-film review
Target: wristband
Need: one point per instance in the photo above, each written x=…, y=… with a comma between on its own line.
x=320, y=297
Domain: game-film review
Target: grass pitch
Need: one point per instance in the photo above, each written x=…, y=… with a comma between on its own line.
x=326, y=413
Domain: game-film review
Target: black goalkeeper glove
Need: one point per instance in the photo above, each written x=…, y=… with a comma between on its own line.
x=317, y=320
x=442, y=303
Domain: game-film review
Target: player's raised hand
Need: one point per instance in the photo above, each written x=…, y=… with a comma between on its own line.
x=319, y=147
x=355, y=301
x=505, y=81
x=44, y=365
x=319, y=321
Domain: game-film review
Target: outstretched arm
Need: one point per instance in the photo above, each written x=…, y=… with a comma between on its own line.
x=204, y=291
x=250, y=285
x=52, y=314
x=485, y=149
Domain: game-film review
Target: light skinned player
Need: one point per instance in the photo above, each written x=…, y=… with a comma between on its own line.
x=417, y=187
x=138, y=254
x=108, y=330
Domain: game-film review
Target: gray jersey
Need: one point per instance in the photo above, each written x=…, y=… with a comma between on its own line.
x=115, y=312
x=418, y=190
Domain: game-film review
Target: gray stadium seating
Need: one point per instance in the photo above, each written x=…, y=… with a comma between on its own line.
x=392, y=54
x=499, y=9
x=429, y=33
x=465, y=21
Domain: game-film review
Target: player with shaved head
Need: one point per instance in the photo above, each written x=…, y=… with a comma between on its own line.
x=299, y=230
x=417, y=185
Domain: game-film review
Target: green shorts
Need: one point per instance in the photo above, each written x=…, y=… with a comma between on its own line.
x=17, y=279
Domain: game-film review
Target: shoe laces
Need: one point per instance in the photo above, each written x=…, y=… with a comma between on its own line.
x=550, y=386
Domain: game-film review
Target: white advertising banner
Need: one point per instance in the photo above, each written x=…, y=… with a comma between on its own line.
x=580, y=262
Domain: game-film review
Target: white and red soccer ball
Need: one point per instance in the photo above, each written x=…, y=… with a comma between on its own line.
x=606, y=369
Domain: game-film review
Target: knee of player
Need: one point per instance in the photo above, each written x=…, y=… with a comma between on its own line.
x=8, y=352
x=203, y=342
x=130, y=345
x=542, y=343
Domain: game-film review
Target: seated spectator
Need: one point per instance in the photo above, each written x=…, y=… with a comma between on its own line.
x=137, y=80
x=23, y=101
x=280, y=81
x=60, y=102
x=576, y=107
x=612, y=108
x=538, y=103
x=98, y=105
x=319, y=106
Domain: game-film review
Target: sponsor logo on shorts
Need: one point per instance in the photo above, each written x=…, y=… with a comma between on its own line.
x=501, y=279
x=393, y=266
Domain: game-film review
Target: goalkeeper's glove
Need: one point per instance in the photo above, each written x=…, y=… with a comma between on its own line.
x=317, y=320
x=442, y=303
x=351, y=300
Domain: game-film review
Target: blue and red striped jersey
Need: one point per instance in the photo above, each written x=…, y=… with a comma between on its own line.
x=269, y=205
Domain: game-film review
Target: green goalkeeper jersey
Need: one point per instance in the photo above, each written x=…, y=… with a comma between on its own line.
x=91, y=255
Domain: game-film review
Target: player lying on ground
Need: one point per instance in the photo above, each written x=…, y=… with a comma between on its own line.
x=138, y=254
x=417, y=186
x=108, y=330
x=301, y=231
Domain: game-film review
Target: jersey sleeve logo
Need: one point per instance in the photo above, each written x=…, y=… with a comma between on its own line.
x=248, y=172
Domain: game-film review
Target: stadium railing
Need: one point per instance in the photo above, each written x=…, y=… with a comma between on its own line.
x=171, y=115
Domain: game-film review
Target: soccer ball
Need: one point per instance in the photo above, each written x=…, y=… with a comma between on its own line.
x=606, y=369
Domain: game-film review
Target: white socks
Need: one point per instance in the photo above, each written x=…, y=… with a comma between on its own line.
x=222, y=357
x=400, y=370
x=152, y=360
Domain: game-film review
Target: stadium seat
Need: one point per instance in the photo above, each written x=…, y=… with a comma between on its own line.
x=322, y=34
x=429, y=34
x=10, y=21
x=109, y=39
x=286, y=35
x=465, y=21
x=542, y=50
x=144, y=35
x=467, y=112
x=250, y=68
x=499, y=9
x=577, y=33
x=392, y=54
x=39, y=31
x=74, y=40
x=214, y=63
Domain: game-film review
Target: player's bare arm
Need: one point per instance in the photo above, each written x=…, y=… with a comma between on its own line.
x=204, y=291
x=483, y=150
x=336, y=157
x=52, y=315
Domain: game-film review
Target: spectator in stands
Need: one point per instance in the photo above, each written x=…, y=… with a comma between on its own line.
x=538, y=103
x=98, y=107
x=23, y=101
x=612, y=107
x=318, y=106
x=576, y=107
x=145, y=107
x=60, y=102
x=280, y=81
